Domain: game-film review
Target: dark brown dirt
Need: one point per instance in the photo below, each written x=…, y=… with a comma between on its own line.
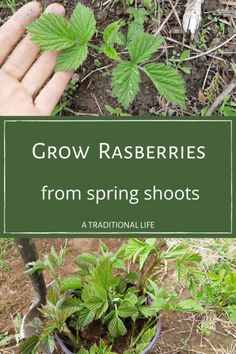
x=97, y=86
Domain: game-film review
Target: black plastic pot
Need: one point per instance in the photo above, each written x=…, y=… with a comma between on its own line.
x=147, y=350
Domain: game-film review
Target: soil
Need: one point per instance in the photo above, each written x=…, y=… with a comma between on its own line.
x=95, y=91
x=94, y=88
x=180, y=334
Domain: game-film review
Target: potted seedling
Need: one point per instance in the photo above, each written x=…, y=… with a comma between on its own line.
x=126, y=43
x=113, y=304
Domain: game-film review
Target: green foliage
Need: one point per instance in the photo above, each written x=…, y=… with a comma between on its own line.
x=72, y=57
x=139, y=249
x=72, y=38
x=179, y=64
x=83, y=22
x=189, y=306
x=95, y=349
x=116, y=326
x=116, y=111
x=137, y=15
x=126, y=76
x=12, y=5
x=102, y=276
x=228, y=108
x=217, y=289
x=71, y=283
x=100, y=293
x=125, y=82
x=7, y=339
x=53, y=32
x=53, y=262
x=110, y=37
x=30, y=346
x=143, y=46
x=167, y=81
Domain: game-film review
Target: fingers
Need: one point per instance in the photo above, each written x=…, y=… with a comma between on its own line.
x=48, y=98
x=26, y=52
x=21, y=58
x=39, y=73
x=43, y=68
x=13, y=29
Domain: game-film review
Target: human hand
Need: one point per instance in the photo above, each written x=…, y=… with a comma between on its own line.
x=24, y=74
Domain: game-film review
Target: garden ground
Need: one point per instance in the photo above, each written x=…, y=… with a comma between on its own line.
x=180, y=333
x=205, y=75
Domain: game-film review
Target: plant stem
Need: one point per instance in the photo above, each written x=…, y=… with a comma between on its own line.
x=74, y=341
x=96, y=47
x=147, y=325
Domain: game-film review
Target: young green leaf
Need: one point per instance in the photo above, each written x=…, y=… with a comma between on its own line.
x=83, y=351
x=71, y=283
x=53, y=294
x=175, y=252
x=148, y=335
x=38, y=266
x=71, y=302
x=30, y=345
x=137, y=14
x=116, y=327
x=102, y=275
x=184, y=55
x=142, y=47
x=72, y=58
x=49, y=344
x=126, y=311
x=83, y=23
x=189, y=305
x=110, y=52
x=137, y=248
x=168, y=82
x=119, y=264
x=56, y=313
x=125, y=82
x=110, y=32
x=103, y=247
x=134, y=30
x=86, y=258
x=52, y=32
x=56, y=260
x=97, y=305
x=148, y=311
x=86, y=316
x=120, y=39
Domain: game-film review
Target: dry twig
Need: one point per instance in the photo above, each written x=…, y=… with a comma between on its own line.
x=166, y=19
x=220, y=99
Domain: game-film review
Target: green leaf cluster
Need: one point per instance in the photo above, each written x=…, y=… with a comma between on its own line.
x=126, y=77
x=54, y=262
x=111, y=36
x=71, y=38
x=216, y=289
x=115, y=289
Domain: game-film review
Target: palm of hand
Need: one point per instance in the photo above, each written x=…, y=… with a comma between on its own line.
x=28, y=85
x=14, y=97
